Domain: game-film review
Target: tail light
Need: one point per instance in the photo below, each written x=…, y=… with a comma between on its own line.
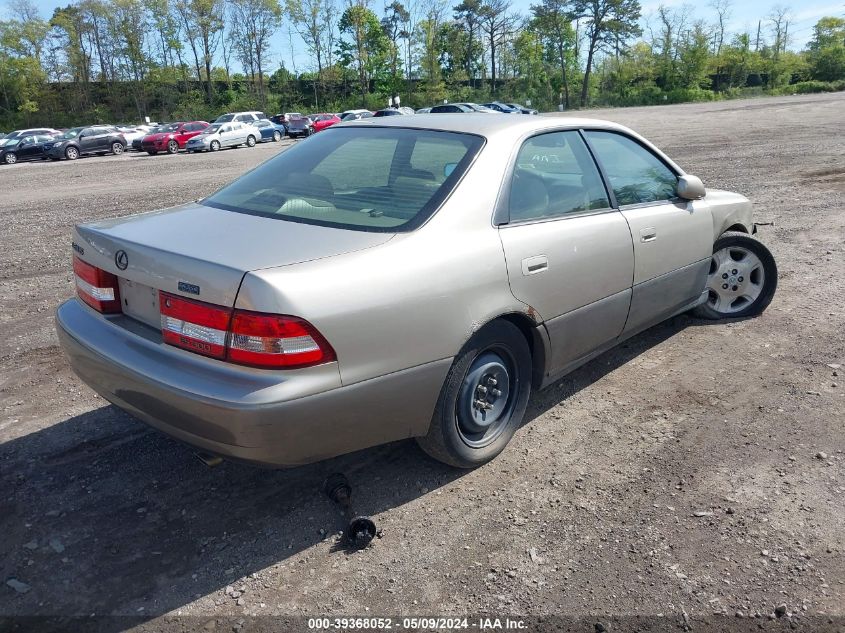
x=239, y=336
x=96, y=287
x=199, y=327
x=265, y=340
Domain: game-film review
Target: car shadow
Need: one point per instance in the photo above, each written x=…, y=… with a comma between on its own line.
x=102, y=515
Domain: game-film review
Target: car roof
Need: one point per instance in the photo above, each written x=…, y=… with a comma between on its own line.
x=482, y=124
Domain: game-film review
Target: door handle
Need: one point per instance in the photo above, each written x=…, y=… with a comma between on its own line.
x=534, y=265
x=648, y=235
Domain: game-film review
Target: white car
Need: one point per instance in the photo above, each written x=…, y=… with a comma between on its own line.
x=241, y=117
x=219, y=135
x=133, y=133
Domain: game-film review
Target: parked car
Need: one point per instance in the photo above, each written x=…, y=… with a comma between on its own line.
x=80, y=141
x=423, y=110
x=219, y=135
x=323, y=120
x=504, y=108
x=171, y=138
x=241, y=117
x=522, y=108
x=270, y=131
x=354, y=115
x=300, y=126
x=451, y=108
x=30, y=147
x=12, y=136
x=294, y=326
x=132, y=132
x=394, y=112
x=284, y=119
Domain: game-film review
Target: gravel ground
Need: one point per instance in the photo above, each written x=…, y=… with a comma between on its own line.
x=693, y=475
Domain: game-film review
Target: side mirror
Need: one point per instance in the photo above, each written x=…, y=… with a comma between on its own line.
x=690, y=187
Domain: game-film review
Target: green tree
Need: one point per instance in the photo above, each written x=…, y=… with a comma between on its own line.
x=552, y=20
x=365, y=45
x=826, y=49
x=608, y=22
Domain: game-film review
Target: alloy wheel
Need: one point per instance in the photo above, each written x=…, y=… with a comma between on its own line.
x=735, y=281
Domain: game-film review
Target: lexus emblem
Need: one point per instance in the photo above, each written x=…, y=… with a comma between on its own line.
x=121, y=260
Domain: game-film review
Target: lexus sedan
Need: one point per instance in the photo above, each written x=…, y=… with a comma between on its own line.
x=409, y=277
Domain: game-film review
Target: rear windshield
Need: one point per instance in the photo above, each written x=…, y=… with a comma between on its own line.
x=370, y=179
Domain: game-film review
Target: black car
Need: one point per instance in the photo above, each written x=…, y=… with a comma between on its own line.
x=300, y=126
x=29, y=147
x=79, y=141
x=451, y=108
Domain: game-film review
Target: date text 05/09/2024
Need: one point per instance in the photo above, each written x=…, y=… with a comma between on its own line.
x=418, y=623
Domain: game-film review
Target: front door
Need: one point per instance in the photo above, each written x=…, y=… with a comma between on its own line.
x=672, y=237
x=569, y=254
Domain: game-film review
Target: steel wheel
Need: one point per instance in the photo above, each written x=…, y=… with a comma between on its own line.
x=742, y=278
x=483, y=398
x=172, y=147
x=215, y=145
x=11, y=158
x=485, y=403
x=71, y=153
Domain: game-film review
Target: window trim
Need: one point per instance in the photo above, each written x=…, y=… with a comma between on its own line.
x=609, y=186
x=501, y=213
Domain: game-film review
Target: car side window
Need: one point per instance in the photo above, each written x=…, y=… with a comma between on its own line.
x=635, y=173
x=555, y=175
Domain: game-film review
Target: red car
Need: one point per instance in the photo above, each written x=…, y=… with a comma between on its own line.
x=171, y=137
x=324, y=120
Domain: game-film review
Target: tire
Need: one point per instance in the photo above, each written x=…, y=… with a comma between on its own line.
x=460, y=435
x=117, y=148
x=277, y=136
x=215, y=146
x=71, y=153
x=742, y=279
x=172, y=147
x=250, y=141
x=151, y=152
x=11, y=158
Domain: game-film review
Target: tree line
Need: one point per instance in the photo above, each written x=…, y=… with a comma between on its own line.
x=109, y=60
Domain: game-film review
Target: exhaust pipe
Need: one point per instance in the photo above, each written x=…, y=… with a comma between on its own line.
x=360, y=530
x=209, y=460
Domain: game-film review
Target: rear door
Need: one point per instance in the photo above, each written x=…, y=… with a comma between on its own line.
x=568, y=251
x=672, y=237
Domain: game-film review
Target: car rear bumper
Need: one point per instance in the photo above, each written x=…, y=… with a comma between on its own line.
x=270, y=418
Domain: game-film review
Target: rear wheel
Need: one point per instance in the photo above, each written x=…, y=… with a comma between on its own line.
x=71, y=153
x=117, y=148
x=172, y=147
x=11, y=158
x=215, y=146
x=742, y=280
x=277, y=136
x=483, y=400
x=250, y=141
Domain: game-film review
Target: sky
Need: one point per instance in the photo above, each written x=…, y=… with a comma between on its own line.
x=744, y=17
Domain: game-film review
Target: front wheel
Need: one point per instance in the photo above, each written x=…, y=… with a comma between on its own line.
x=483, y=400
x=71, y=153
x=215, y=146
x=11, y=158
x=742, y=280
x=250, y=141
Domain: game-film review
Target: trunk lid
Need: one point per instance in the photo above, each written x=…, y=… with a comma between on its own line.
x=203, y=253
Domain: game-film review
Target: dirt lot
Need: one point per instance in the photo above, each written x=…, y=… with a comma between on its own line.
x=696, y=470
